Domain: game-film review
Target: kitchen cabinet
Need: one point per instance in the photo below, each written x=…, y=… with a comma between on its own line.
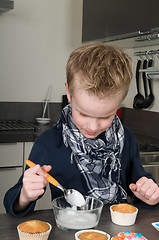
x=154, y=23
x=8, y=176
x=11, y=167
x=11, y=154
x=113, y=20
x=6, y=5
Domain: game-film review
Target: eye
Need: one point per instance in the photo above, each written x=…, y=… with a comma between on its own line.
x=83, y=115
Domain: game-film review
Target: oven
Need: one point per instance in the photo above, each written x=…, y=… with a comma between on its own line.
x=149, y=155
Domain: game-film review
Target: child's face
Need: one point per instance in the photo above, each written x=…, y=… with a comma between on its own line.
x=91, y=114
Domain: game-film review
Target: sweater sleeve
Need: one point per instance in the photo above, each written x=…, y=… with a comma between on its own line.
x=11, y=196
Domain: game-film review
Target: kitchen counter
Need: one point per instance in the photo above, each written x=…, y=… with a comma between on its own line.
x=24, y=136
x=143, y=225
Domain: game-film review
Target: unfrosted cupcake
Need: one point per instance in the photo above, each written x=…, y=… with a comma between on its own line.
x=34, y=230
x=123, y=214
x=91, y=234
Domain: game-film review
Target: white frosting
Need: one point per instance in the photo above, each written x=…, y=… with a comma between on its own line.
x=76, y=220
x=75, y=198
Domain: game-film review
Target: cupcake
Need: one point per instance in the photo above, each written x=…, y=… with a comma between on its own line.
x=91, y=234
x=123, y=214
x=128, y=235
x=34, y=230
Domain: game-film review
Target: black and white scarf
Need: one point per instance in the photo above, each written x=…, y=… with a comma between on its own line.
x=98, y=160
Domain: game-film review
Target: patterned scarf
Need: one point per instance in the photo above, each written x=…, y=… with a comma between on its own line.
x=98, y=159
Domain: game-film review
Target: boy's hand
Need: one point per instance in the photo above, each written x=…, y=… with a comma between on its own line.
x=146, y=190
x=33, y=185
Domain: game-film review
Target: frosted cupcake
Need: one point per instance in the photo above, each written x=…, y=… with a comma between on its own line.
x=34, y=230
x=128, y=235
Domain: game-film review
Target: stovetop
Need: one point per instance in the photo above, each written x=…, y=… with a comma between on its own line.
x=16, y=125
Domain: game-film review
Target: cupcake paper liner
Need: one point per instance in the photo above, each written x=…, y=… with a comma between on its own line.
x=34, y=236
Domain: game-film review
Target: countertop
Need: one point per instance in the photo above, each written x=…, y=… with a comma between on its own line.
x=24, y=136
x=143, y=225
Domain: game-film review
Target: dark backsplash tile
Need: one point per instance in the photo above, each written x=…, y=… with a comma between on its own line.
x=28, y=111
x=141, y=122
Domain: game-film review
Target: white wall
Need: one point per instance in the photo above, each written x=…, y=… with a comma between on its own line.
x=36, y=39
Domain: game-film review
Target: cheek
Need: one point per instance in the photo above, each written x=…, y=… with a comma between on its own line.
x=78, y=120
x=105, y=124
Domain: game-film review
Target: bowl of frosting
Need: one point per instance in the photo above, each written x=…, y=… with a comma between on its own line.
x=70, y=217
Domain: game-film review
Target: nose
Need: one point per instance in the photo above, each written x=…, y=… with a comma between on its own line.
x=93, y=125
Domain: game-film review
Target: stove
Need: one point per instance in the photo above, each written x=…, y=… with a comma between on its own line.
x=16, y=125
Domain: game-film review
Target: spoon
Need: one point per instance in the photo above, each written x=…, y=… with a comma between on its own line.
x=149, y=99
x=139, y=98
x=72, y=196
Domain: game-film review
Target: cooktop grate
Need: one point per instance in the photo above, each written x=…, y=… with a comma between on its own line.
x=15, y=125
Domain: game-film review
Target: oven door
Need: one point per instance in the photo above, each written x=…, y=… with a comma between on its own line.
x=150, y=162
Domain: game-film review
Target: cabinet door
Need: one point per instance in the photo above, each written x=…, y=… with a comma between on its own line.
x=27, y=149
x=154, y=22
x=45, y=201
x=8, y=177
x=111, y=19
x=11, y=154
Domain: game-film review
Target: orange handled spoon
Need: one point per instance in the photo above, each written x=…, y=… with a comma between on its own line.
x=72, y=196
x=49, y=178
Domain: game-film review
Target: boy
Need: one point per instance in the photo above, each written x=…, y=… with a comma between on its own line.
x=89, y=149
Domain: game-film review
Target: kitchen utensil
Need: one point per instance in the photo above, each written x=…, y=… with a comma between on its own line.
x=71, y=218
x=150, y=98
x=43, y=120
x=47, y=99
x=138, y=99
x=72, y=196
x=153, y=72
x=144, y=77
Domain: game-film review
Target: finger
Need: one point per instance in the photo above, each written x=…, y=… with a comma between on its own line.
x=47, y=168
x=153, y=193
x=140, y=183
x=133, y=187
x=36, y=170
x=146, y=189
x=33, y=195
x=155, y=196
x=33, y=180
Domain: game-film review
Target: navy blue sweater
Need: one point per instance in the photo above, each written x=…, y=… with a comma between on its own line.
x=49, y=149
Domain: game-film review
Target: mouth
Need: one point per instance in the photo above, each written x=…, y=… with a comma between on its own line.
x=90, y=133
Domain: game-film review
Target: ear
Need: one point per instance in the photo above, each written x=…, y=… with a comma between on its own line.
x=67, y=92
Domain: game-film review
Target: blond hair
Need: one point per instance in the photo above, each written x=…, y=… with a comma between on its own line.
x=105, y=69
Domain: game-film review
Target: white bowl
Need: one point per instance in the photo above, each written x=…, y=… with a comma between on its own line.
x=123, y=219
x=69, y=217
x=43, y=120
x=90, y=230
